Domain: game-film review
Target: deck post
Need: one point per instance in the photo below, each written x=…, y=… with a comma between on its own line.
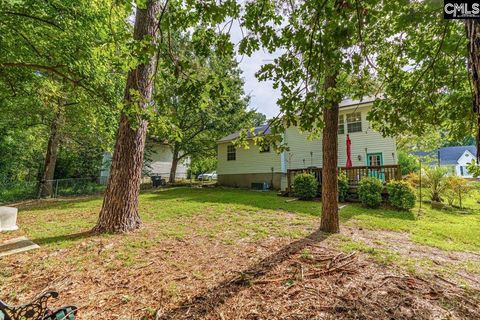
x=398, y=173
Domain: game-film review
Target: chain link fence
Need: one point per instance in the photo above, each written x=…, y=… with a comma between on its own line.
x=26, y=190
x=11, y=192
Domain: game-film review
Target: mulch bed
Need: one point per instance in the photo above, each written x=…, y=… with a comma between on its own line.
x=202, y=278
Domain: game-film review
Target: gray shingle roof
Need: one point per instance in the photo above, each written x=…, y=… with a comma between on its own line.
x=263, y=129
x=450, y=155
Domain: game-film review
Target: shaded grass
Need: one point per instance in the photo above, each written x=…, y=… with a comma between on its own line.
x=233, y=214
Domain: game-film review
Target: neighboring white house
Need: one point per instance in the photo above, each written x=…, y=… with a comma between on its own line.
x=239, y=167
x=159, y=162
x=457, y=158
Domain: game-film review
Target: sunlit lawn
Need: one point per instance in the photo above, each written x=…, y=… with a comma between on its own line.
x=233, y=214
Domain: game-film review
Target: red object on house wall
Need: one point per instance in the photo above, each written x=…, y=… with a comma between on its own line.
x=349, y=152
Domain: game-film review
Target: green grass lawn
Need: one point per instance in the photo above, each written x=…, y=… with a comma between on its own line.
x=233, y=214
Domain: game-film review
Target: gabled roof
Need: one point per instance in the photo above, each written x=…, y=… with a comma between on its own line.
x=450, y=155
x=263, y=129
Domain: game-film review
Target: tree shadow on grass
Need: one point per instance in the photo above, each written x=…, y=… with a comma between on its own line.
x=57, y=203
x=64, y=238
x=205, y=303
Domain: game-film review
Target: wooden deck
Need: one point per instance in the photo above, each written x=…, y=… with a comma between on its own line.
x=385, y=173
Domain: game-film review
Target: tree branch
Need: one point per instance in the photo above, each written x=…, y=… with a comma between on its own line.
x=32, y=17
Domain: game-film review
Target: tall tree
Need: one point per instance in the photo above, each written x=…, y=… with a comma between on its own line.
x=54, y=66
x=472, y=28
x=321, y=64
x=200, y=99
x=119, y=211
x=120, y=206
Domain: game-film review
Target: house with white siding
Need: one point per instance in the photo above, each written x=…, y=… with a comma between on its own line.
x=239, y=167
x=157, y=162
x=456, y=159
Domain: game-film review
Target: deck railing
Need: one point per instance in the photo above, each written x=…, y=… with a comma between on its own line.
x=385, y=173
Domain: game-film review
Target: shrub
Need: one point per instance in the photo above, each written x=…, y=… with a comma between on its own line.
x=413, y=179
x=455, y=188
x=305, y=186
x=342, y=186
x=435, y=180
x=408, y=163
x=401, y=195
x=370, y=192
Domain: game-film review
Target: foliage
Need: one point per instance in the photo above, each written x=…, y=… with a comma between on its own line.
x=421, y=63
x=370, y=191
x=199, y=100
x=305, y=186
x=79, y=162
x=202, y=165
x=474, y=168
x=401, y=195
x=435, y=180
x=342, y=186
x=258, y=119
x=408, y=163
x=413, y=179
x=57, y=60
x=456, y=188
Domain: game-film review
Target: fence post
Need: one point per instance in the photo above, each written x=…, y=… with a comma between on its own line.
x=56, y=189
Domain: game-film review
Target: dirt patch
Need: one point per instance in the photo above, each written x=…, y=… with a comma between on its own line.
x=197, y=277
x=452, y=262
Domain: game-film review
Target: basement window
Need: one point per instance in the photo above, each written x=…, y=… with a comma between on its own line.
x=354, y=122
x=231, y=153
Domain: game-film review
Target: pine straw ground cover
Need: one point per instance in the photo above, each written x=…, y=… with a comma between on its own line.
x=233, y=254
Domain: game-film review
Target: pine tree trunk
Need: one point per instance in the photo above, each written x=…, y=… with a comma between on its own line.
x=472, y=28
x=120, y=205
x=46, y=184
x=173, y=169
x=330, y=221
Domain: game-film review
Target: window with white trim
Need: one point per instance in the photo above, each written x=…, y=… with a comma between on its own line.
x=354, y=122
x=231, y=153
x=341, y=124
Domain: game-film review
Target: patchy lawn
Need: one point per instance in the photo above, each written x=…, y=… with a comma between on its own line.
x=236, y=254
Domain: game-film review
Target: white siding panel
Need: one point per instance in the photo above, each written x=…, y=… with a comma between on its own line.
x=366, y=141
x=247, y=160
x=305, y=152
x=162, y=162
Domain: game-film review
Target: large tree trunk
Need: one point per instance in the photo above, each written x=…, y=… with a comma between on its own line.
x=120, y=206
x=46, y=184
x=173, y=169
x=330, y=221
x=472, y=28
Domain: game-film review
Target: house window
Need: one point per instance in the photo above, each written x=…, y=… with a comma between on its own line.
x=264, y=149
x=354, y=122
x=341, y=124
x=231, y=153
